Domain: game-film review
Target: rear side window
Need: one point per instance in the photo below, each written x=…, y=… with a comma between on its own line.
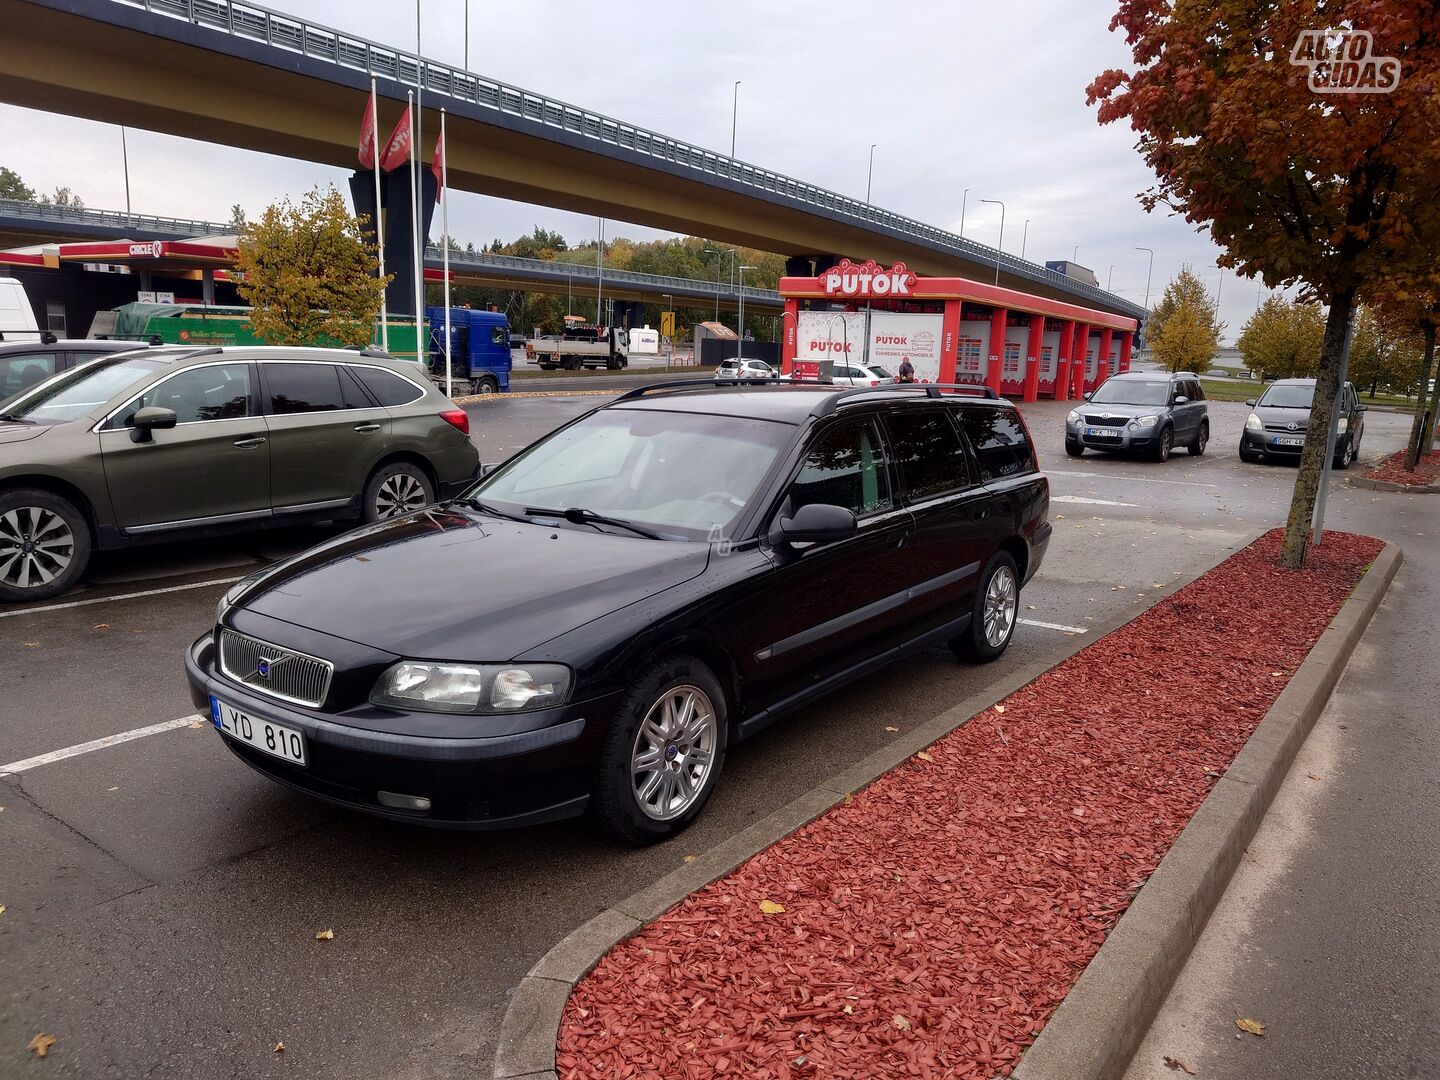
x=22, y=372
x=932, y=458
x=387, y=387
x=998, y=438
x=303, y=388
x=846, y=467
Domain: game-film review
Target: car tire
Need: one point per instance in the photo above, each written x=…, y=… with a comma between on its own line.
x=1345, y=457
x=1164, y=443
x=1202, y=437
x=486, y=384
x=395, y=489
x=997, y=594
x=1074, y=449
x=640, y=806
x=41, y=534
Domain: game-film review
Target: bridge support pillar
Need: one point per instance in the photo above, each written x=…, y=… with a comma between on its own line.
x=207, y=286
x=799, y=266
x=1031, y=376
x=998, y=317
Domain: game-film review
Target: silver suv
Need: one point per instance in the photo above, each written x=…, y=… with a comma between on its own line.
x=1151, y=413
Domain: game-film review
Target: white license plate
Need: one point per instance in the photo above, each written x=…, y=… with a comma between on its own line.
x=265, y=735
x=1103, y=432
x=1287, y=441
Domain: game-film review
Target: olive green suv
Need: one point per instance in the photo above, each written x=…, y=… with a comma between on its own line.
x=180, y=442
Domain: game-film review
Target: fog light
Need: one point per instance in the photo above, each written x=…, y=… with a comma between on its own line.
x=404, y=802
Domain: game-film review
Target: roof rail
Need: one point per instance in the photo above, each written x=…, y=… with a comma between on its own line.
x=378, y=354
x=933, y=390
x=675, y=384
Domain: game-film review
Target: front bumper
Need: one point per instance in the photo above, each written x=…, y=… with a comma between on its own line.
x=493, y=782
x=1123, y=439
x=1263, y=443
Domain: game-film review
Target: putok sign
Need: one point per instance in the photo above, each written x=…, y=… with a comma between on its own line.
x=869, y=279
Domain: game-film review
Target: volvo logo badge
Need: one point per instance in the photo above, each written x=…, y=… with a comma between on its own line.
x=262, y=667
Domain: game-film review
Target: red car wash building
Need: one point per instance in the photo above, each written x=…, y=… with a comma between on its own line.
x=952, y=330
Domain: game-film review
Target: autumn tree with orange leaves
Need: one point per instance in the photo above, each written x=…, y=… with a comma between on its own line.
x=1316, y=165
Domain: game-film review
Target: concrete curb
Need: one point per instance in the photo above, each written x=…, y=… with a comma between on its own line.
x=525, y=1049
x=1102, y=1021
x=1386, y=485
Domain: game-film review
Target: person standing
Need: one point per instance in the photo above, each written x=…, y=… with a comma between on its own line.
x=907, y=370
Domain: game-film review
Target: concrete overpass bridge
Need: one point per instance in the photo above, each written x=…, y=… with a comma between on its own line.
x=240, y=74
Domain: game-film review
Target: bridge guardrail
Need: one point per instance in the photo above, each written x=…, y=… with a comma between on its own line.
x=274, y=28
x=117, y=218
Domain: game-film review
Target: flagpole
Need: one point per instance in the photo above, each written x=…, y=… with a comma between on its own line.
x=445, y=244
x=379, y=233
x=421, y=353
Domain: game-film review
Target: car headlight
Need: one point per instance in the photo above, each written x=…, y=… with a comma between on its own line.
x=1074, y=417
x=472, y=688
x=233, y=593
x=1252, y=422
x=1143, y=422
x=1344, y=423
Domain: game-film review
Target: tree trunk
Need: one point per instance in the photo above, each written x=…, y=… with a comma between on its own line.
x=1312, y=457
x=1415, y=446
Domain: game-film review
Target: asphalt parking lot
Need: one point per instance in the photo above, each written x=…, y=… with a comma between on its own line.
x=162, y=900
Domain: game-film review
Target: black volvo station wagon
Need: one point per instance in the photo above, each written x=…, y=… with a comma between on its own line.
x=590, y=626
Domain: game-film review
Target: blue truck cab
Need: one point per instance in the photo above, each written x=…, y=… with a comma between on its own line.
x=479, y=348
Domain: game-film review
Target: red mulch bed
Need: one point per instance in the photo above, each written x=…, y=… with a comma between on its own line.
x=933, y=922
x=1393, y=469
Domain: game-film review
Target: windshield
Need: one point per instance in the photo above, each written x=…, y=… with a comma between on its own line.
x=1288, y=396
x=674, y=472
x=1132, y=392
x=876, y=369
x=78, y=392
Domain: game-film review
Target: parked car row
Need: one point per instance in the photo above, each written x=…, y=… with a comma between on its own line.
x=174, y=442
x=842, y=374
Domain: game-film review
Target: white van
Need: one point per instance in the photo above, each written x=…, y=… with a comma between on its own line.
x=644, y=342
x=17, y=319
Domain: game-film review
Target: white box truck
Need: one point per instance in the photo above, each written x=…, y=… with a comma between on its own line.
x=17, y=318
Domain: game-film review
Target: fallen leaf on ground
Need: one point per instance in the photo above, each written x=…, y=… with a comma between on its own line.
x=32, y=644
x=849, y=1010
x=325, y=935
x=923, y=756
x=115, y=788
x=1254, y=1027
x=1312, y=776
x=40, y=1044
x=2, y=909
x=102, y=626
x=197, y=723
x=900, y=1022
x=1176, y=1063
x=770, y=907
x=1000, y=708
x=280, y=1048
x=889, y=727
x=687, y=858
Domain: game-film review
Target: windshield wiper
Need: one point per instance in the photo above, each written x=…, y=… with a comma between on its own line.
x=486, y=508
x=14, y=418
x=579, y=516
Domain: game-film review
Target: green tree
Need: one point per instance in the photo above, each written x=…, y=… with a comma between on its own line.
x=309, y=272
x=65, y=197
x=1282, y=339
x=237, y=217
x=12, y=187
x=1384, y=352
x=1329, y=191
x=1192, y=348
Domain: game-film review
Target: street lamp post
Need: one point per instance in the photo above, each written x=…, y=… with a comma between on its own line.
x=963, y=199
x=721, y=251
x=1109, y=277
x=1001, y=246
x=1147, y=275
x=1024, y=237
x=125, y=164
x=734, y=116
x=870, y=173
x=740, y=344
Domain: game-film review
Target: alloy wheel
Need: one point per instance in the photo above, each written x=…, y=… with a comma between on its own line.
x=36, y=546
x=399, y=494
x=1001, y=603
x=673, y=753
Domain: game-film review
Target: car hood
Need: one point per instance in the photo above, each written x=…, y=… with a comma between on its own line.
x=1269, y=414
x=16, y=433
x=1127, y=412
x=444, y=585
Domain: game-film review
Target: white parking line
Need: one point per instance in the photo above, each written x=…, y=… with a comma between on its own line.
x=26, y=764
x=121, y=596
x=1087, y=502
x=1054, y=626
x=1127, y=478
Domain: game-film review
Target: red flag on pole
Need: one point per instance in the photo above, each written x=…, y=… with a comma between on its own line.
x=367, y=135
x=397, y=149
x=437, y=165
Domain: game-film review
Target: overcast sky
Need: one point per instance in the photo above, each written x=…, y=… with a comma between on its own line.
x=985, y=97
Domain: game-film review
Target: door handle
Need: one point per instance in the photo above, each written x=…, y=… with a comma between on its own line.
x=250, y=443
x=366, y=428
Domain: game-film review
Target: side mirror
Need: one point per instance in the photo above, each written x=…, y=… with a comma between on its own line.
x=486, y=470
x=1089, y=394
x=816, y=523
x=1250, y=402
x=1361, y=408
x=1181, y=399
x=151, y=418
